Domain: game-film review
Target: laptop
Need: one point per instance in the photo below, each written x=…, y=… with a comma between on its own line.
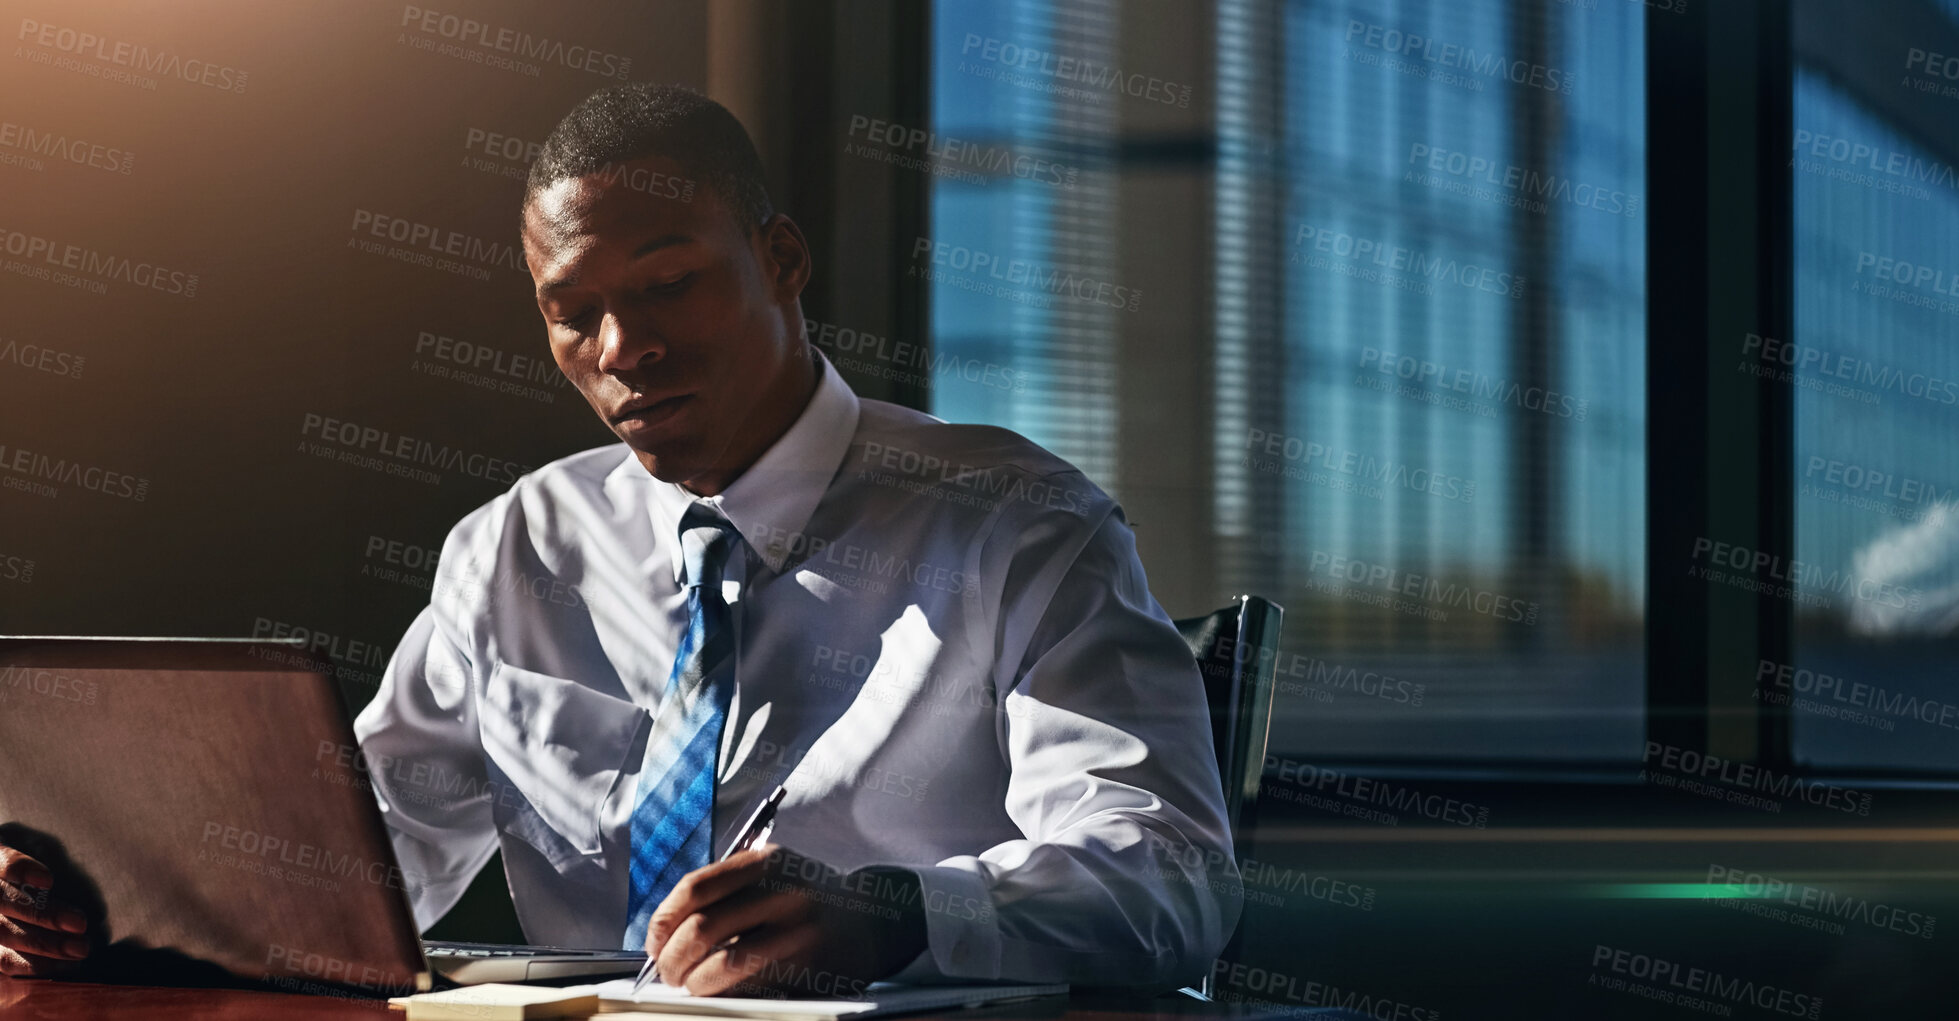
x=185, y=795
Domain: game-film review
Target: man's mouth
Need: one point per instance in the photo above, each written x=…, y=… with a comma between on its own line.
x=649, y=412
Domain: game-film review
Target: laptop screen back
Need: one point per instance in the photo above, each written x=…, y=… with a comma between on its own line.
x=202, y=803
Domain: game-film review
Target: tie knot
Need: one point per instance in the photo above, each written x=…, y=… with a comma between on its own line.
x=705, y=540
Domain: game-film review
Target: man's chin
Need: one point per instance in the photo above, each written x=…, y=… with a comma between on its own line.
x=666, y=461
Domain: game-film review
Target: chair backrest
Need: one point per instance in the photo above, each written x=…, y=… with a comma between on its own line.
x=1237, y=650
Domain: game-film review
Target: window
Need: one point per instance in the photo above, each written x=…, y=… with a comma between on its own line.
x=1422, y=337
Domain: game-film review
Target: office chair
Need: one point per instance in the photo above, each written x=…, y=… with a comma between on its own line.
x=1237, y=650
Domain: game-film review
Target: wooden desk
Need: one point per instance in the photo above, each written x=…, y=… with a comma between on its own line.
x=45, y=998
x=42, y=998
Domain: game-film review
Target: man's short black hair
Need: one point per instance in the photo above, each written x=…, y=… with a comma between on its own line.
x=621, y=123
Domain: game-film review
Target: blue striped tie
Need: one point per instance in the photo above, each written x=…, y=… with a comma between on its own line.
x=672, y=822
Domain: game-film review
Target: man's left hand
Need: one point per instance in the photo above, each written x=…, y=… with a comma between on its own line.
x=769, y=920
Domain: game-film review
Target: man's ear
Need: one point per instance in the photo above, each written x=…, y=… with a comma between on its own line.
x=785, y=255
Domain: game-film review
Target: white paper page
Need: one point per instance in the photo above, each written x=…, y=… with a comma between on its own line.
x=622, y=990
x=882, y=997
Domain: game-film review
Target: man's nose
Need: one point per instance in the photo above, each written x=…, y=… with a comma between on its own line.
x=626, y=345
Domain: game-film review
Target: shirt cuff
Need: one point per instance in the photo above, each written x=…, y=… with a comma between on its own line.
x=962, y=931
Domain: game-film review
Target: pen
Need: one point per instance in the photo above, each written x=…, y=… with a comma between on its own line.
x=760, y=824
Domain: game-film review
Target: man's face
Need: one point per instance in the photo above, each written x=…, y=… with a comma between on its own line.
x=672, y=319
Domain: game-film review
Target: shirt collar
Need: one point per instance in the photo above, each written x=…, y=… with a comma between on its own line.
x=771, y=503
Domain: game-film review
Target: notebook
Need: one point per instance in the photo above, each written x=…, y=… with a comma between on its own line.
x=882, y=998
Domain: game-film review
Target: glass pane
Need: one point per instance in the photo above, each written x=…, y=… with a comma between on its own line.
x=1022, y=212
x=1420, y=290
x=1875, y=364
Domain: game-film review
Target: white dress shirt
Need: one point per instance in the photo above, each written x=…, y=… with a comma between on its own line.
x=946, y=651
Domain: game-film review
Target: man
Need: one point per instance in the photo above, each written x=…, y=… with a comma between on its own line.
x=937, y=638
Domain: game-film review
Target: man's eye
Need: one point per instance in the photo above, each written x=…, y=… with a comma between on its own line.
x=677, y=284
x=572, y=322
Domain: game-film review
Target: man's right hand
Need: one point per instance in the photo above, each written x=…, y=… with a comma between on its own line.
x=39, y=935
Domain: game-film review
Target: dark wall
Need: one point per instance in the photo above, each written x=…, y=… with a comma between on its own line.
x=170, y=465
x=198, y=306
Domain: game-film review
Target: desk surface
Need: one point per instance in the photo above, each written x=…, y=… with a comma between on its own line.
x=42, y=998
